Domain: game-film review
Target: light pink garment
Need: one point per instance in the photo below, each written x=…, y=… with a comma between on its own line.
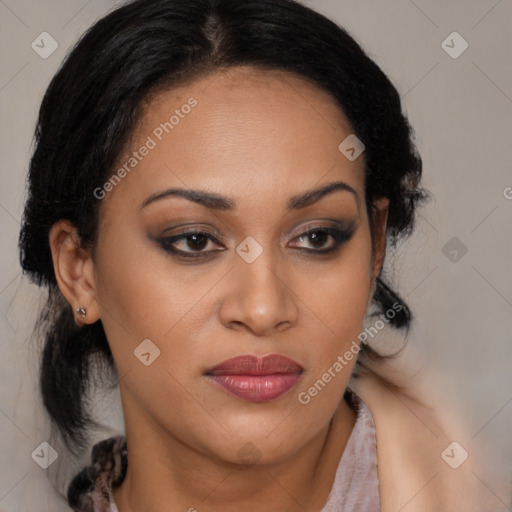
x=356, y=485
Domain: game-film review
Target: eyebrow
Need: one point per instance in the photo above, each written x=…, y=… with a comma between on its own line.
x=218, y=202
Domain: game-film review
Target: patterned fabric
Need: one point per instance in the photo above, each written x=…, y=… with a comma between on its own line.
x=91, y=489
x=355, y=488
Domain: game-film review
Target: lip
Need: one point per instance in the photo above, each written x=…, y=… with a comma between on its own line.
x=256, y=379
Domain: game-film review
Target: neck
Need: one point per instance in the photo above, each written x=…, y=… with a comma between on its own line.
x=162, y=470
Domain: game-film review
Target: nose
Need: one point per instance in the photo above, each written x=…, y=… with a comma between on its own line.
x=259, y=297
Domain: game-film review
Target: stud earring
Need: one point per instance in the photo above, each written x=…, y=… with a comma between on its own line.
x=81, y=311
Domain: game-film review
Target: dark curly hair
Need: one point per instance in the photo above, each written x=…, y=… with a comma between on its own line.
x=94, y=102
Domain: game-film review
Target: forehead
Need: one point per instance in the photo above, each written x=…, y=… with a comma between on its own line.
x=243, y=128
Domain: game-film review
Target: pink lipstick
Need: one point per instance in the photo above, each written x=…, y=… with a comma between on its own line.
x=256, y=379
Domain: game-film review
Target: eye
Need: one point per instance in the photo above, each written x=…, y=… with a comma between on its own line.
x=197, y=241
x=318, y=237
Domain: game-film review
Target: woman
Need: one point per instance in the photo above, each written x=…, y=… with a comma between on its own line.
x=211, y=194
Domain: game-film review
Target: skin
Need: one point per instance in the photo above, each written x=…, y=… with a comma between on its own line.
x=259, y=138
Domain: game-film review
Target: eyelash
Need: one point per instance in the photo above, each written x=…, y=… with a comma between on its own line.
x=339, y=236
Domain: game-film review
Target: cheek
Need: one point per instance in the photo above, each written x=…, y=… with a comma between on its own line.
x=143, y=294
x=340, y=299
x=339, y=292
x=131, y=293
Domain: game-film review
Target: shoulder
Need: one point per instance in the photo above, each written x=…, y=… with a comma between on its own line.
x=423, y=465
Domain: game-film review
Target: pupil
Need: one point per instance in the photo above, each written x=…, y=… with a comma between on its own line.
x=193, y=241
x=317, y=239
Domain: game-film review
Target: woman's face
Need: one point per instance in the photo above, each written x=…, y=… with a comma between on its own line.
x=252, y=282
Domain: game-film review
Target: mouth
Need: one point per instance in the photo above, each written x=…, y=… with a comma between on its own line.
x=256, y=379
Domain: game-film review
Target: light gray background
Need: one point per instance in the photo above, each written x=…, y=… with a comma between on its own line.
x=461, y=110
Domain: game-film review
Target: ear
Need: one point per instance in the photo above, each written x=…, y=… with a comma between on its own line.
x=74, y=271
x=379, y=225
